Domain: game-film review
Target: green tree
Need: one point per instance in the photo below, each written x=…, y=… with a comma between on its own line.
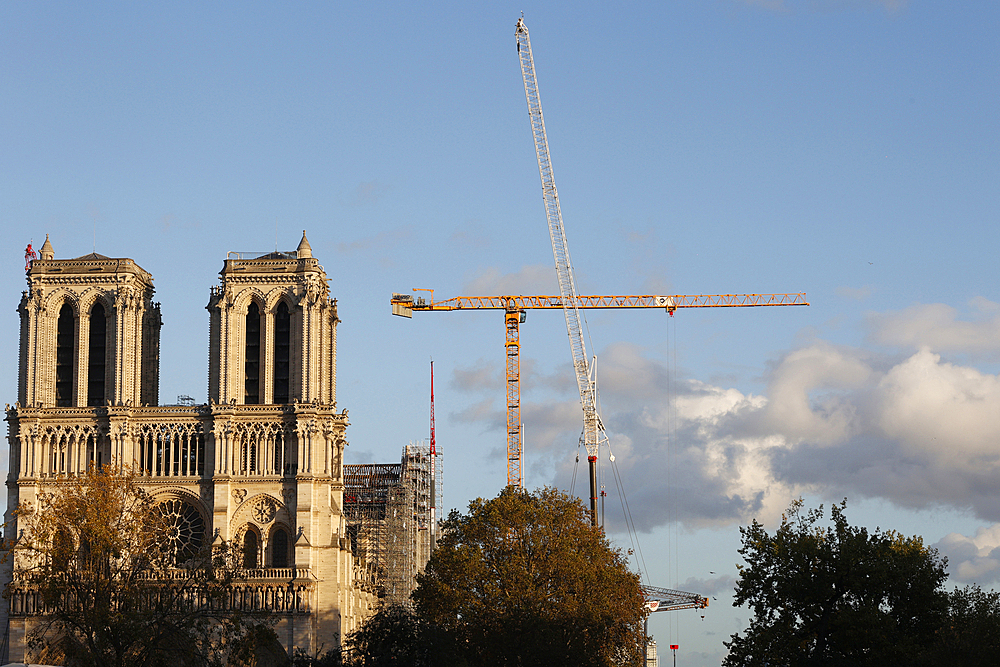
x=397, y=637
x=524, y=579
x=971, y=634
x=836, y=595
x=120, y=589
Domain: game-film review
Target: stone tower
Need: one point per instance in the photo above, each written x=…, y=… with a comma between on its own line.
x=273, y=331
x=90, y=333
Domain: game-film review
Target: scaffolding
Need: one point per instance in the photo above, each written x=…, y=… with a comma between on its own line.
x=388, y=507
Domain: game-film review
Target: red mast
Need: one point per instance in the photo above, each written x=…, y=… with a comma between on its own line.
x=433, y=444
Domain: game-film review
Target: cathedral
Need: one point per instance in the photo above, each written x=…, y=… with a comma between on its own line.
x=259, y=466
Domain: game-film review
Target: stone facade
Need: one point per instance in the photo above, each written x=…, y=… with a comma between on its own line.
x=259, y=466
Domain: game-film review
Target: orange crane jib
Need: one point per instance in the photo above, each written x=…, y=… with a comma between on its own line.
x=404, y=304
x=514, y=307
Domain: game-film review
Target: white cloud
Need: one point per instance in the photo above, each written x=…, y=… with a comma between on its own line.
x=530, y=279
x=938, y=326
x=854, y=293
x=724, y=584
x=483, y=375
x=973, y=559
x=809, y=394
x=942, y=412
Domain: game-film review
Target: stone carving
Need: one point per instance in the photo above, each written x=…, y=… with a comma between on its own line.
x=239, y=494
x=263, y=510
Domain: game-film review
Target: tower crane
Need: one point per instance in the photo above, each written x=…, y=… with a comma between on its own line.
x=514, y=308
x=593, y=427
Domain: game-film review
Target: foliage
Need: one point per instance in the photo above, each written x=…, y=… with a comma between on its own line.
x=397, y=636
x=837, y=595
x=524, y=579
x=120, y=588
x=971, y=634
x=332, y=658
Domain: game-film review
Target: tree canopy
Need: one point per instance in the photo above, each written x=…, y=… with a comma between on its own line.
x=970, y=635
x=398, y=637
x=119, y=587
x=524, y=579
x=837, y=594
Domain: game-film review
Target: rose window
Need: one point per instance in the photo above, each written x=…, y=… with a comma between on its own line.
x=185, y=529
x=263, y=510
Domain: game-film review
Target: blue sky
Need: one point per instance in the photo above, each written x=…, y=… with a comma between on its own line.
x=844, y=148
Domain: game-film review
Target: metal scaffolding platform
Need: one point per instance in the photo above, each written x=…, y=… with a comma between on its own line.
x=392, y=525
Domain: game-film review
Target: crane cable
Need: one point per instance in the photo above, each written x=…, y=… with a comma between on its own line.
x=673, y=549
x=576, y=467
x=633, y=533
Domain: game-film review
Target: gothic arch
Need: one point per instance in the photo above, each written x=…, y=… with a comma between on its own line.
x=246, y=296
x=275, y=296
x=281, y=356
x=170, y=448
x=261, y=509
x=254, y=355
x=263, y=448
x=165, y=493
x=53, y=302
x=92, y=295
x=248, y=543
x=69, y=449
x=98, y=320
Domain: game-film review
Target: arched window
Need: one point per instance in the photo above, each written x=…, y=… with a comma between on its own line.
x=248, y=454
x=279, y=453
x=251, y=547
x=96, y=356
x=65, y=339
x=279, y=548
x=251, y=383
x=282, y=348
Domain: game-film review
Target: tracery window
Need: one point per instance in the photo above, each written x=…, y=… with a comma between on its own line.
x=185, y=529
x=251, y=382
x=282, y=349
x=96, y=356
x=65, y=339
x=171, y=451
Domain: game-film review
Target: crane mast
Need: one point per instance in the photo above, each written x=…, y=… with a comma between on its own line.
x=593, y=429
x=433, y=527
